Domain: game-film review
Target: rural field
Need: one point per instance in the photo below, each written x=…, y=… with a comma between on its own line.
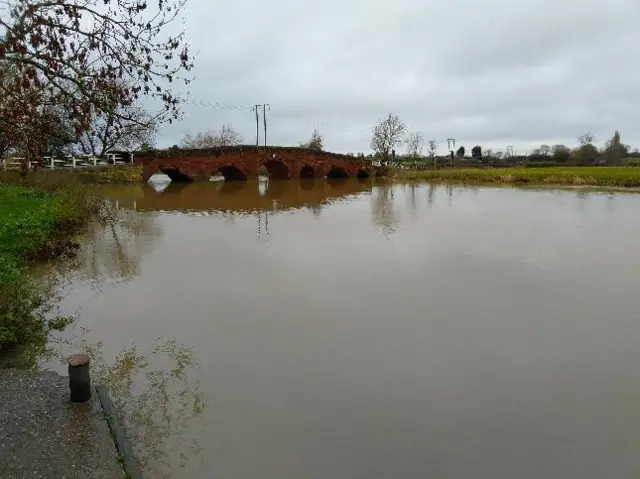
x=611, y=177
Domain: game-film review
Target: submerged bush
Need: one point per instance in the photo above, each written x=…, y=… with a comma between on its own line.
x=34, y=222
x=19, y=299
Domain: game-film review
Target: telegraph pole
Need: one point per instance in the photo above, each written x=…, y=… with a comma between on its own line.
x=255, y=108
x=510, y=152
x=264, y=118
x=451, y=144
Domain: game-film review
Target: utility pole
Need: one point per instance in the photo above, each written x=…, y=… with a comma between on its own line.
x=451, y=144
x=264, y=119
x=255, y=108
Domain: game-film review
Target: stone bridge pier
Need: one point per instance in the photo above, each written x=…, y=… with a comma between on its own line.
x=243, y=162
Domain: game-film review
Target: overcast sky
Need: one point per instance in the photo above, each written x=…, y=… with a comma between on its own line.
x=490, y=72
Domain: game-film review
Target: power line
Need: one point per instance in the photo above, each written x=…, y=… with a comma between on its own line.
x=223, y=106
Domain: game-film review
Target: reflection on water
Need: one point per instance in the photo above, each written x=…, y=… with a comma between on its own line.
x=236, y=196
x=115, y=250
x=342, y=330
x=159, y=400
x=157, y=396
x=383, y=209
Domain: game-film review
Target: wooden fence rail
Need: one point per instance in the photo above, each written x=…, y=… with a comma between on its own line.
x=51, y=162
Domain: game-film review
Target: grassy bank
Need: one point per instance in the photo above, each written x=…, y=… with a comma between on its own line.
x=112, y=174
x=34, y=222
x=51, y=179
x=617, y=177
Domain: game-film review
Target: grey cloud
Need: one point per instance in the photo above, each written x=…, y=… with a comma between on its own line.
x=495, y=72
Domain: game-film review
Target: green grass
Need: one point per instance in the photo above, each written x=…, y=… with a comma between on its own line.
x=611, y=177
x=53, y=179
x=30, y=218
x=112, y=174
x=33, y=222
x=38, y=213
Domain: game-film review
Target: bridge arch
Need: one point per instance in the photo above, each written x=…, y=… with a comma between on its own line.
x=277, y=170
x=176, y=175
x=337, y=172
x=307, y=173
x=232, y=173
x=362, y=174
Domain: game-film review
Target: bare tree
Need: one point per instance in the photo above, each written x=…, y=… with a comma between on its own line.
x=387, y=134
x=227, y=136
x=545, y=150
x=129, y=128
x=88, y=58
x=48, y=131
x=433, y=146
x=586, y=139
x=315, y=142
x=415, y=144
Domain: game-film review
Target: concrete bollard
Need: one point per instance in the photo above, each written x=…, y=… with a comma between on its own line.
x=79, y=381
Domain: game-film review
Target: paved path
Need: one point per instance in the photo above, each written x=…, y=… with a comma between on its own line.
x=43, y=435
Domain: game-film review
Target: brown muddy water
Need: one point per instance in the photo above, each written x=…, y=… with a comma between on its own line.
x=350, y=330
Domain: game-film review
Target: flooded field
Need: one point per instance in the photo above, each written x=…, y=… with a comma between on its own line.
x=356, y=330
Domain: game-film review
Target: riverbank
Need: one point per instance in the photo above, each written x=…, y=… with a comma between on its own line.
x=606, y=177
x=48, y=178
x=34, y=224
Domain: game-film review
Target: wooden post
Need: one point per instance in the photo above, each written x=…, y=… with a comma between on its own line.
x=79, y=381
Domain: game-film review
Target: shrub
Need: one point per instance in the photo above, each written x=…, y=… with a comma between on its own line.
x=18, y=299
x=32, y=222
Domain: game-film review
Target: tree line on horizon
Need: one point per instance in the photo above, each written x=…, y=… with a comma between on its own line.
x=390, y=133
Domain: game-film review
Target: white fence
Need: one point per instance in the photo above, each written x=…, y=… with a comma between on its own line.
x=85, y=161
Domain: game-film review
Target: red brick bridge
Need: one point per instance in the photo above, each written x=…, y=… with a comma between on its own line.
x=244, y=162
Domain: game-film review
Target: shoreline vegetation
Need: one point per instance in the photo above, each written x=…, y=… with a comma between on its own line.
x=596, y=176
x=51, y=179
x=36, y=223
